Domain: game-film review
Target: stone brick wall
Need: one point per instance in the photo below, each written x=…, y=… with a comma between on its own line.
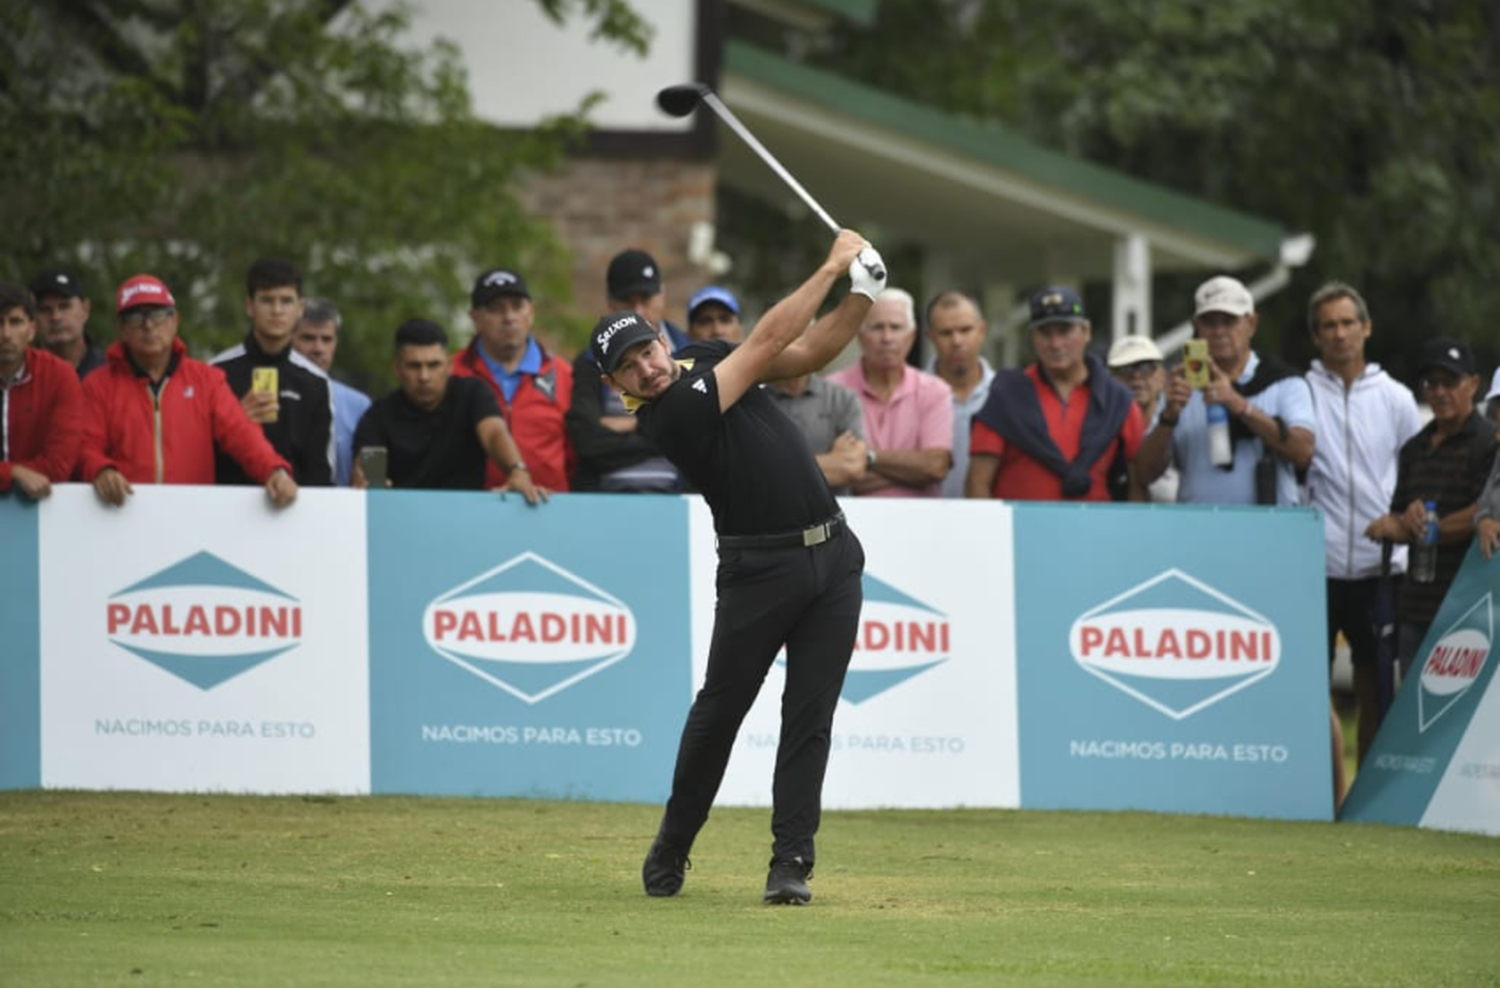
x=601, y=206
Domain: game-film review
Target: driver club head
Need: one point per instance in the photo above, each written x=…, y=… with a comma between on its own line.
x=679, y=101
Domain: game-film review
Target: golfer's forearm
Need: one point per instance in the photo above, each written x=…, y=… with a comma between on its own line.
x=788, y=319
x=821, y=342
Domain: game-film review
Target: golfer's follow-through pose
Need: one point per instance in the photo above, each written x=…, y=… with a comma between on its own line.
x=789, y=568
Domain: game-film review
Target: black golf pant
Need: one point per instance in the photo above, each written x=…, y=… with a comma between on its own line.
x=808, y=599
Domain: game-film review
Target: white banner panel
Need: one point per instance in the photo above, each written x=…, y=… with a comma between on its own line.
x=928, y=712
x=1468, y=797
x=204, y=643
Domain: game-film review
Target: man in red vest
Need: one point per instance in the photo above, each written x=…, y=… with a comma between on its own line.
x=534, y=388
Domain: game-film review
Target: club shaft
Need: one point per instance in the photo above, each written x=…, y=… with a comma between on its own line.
x=727, y=115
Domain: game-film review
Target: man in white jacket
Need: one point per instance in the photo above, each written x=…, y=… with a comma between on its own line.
x=1363, y=418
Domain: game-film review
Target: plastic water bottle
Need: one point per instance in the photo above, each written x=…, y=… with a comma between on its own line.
x=1424, y=553
x=1220, y=449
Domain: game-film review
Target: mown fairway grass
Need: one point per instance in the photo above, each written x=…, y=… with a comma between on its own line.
x=128, y=889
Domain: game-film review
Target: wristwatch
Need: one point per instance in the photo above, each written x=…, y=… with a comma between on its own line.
x=518, y=465
x=870, y=456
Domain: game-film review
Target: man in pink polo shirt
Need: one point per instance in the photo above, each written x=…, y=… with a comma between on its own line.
x=908, y=412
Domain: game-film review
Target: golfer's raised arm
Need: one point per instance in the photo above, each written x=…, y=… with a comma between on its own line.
x=788, y=320
x=826, y=338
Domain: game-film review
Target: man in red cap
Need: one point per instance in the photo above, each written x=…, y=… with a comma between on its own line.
x=156, y=415
x=41, y=404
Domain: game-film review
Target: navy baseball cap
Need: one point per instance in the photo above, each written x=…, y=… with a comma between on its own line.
x=616, y=333
x=713, y=293
x=633, y=272
x=496, y=282
x=1056, y=303
x=1449, y=355
x=59, y=282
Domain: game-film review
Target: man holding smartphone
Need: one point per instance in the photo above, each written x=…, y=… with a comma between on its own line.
x=1267, y=404
x=285, y=393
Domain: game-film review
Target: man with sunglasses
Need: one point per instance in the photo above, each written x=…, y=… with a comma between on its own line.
x=1136, y=362
x=155, y=415
x=1446, y=463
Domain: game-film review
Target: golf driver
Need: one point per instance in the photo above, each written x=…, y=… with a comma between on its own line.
x=680, y=101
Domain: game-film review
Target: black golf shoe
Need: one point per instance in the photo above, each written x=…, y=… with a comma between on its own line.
x=786, y=884
x=665, y=869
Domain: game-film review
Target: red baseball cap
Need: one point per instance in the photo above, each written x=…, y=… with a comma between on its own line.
x=143, y=289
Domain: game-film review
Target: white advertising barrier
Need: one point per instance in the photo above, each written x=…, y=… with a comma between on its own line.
x=927, y=717
x=204, y=641
x=1436, y=761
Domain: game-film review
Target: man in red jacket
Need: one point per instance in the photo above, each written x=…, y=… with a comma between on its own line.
x=156, y=415
x=533, y=387
x=41, y=404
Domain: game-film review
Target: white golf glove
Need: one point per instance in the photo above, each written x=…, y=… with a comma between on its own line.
x=867, y=273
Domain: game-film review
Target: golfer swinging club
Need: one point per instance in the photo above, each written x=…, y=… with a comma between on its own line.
x=789, y=568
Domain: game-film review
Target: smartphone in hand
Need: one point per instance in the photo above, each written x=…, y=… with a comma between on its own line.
x=265, y=380
x=1195, y=363
x=372, y=460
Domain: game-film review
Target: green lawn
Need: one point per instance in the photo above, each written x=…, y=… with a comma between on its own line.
x=104, y=889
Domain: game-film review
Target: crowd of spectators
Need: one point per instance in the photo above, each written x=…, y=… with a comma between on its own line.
x=505, y=413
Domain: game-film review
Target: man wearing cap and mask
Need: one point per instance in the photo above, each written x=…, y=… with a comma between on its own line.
x=62, y=315
x=533, y=388
x=789, y=568
x=1136, y=362
x=1447, y=463
x=611, y=456
x=155, y=415
x=1055, y=431
x=1263, y=405
x=714, y=314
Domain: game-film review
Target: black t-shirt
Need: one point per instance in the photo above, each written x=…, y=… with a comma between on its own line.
x=434, y=450
x=751, y=463
x=1453, y=475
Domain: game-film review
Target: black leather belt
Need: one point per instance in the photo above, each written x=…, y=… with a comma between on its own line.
x=807, y=537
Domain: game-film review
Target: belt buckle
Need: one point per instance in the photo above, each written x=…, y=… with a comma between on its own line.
x=816, y=535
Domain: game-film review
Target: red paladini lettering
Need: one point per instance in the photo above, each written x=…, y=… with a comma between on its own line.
x=904, y=636
x=1189, y=644
x=546, y=626
x=200, y=621
x=1461, y=663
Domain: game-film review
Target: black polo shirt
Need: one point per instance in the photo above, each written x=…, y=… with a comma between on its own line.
x=751, y=463
x=303, y=430
x=432, y=450
x=1453, y=475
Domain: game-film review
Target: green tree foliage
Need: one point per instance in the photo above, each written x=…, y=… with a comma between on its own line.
x=188, y=137
x=1373, y=124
